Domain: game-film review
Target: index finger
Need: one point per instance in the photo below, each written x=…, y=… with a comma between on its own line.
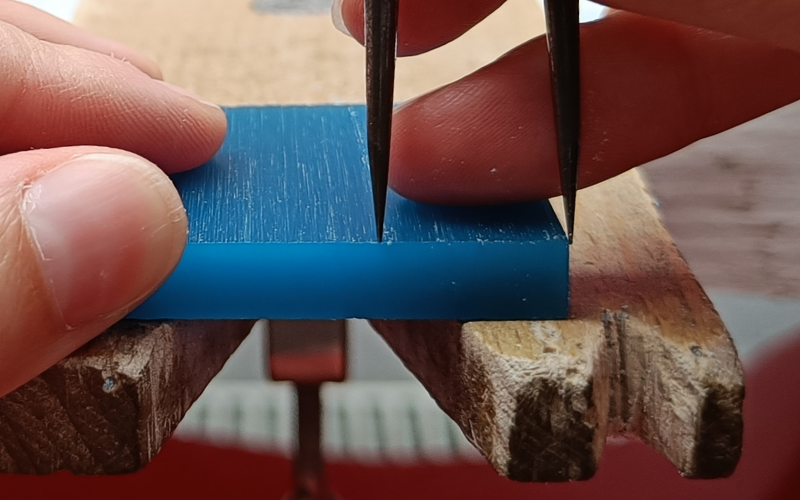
x=56, y=95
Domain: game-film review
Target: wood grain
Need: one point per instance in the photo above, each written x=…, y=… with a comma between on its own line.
x=533, y=400
x=109, y=407
x=676, y=365
x=644, y=353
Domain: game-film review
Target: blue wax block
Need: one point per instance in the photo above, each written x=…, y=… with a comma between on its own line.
x=281, y=226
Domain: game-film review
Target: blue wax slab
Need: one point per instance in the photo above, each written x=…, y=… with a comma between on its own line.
x=281, y=226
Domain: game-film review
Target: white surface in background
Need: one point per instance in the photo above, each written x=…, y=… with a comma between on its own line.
x=590, y=11
x=65, y=9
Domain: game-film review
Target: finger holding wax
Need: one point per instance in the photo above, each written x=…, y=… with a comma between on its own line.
x=648, y=88
x=57, y=95
x=90, y=224
x=86, y=234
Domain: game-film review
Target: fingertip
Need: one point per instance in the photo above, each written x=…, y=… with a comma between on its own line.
x=348, y=17
x=144, y=64
x=106, y=227
x=423, y=25
x=338, y=18
x=87, y=98
x=195, y=143
x=202, y=124
x=86, y=233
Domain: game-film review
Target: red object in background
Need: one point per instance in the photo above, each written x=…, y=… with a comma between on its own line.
x=769, y=469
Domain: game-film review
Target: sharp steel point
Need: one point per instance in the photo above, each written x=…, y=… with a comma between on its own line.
x=381, y=41
x=563, y=42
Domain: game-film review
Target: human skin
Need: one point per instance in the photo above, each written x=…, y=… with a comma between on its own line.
x=89, y=222
x=655, y=79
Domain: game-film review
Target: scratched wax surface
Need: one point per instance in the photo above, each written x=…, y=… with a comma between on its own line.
x=281, y=226
x=313, y=185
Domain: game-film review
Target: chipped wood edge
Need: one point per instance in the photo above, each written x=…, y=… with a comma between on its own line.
x=683, y=399
x=532, y=400
x=109, y=407
x=655, y=359
x=678, y=369
x=553, y=391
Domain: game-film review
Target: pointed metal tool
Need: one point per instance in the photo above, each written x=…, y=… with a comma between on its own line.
x=563, y=42
x=381, y=41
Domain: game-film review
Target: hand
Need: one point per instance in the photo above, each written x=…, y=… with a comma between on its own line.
x=651, y=85
x=86, y=231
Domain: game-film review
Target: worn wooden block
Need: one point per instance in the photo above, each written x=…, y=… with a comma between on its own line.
x=109, y=407
x=643, y=353
x=281, y=226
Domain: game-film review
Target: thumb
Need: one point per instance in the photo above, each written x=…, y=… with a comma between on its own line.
x=85, y=235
